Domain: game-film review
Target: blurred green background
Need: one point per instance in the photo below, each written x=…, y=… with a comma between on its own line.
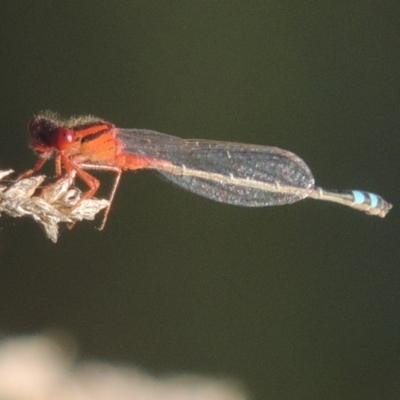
x=296, y=302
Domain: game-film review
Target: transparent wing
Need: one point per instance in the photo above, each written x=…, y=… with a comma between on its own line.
x=234, y=173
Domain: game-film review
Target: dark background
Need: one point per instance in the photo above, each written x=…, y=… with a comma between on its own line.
x=297, y=302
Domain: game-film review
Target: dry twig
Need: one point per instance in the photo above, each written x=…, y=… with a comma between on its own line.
x=49, y=206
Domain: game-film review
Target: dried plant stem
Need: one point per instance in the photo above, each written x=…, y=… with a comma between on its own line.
x=49, y=206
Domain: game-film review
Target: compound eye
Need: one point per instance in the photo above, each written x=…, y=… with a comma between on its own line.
x=64, y=139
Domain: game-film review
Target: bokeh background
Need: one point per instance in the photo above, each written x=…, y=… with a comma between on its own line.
x=301, y=301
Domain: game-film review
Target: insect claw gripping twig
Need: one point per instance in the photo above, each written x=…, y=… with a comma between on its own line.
x=49, y=205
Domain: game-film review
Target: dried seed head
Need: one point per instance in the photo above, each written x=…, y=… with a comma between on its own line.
x=48, y=206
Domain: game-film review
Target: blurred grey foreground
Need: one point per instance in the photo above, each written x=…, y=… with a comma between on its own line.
x=43, y=368
x=48, y=206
